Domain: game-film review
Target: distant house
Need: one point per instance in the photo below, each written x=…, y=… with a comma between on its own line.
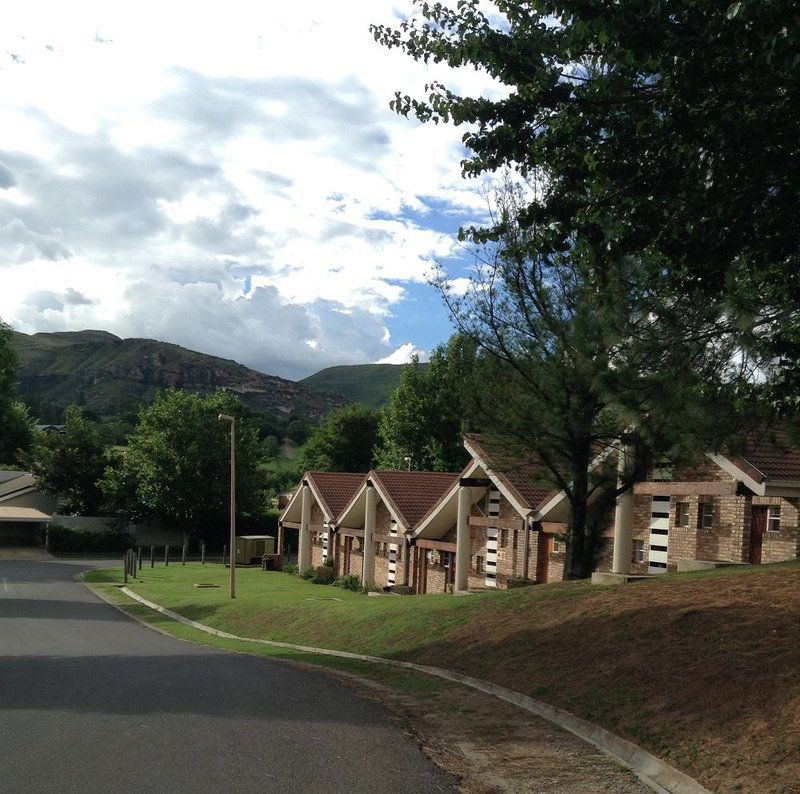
x=24, y=512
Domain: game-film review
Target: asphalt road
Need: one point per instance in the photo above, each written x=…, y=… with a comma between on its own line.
x=92, y=701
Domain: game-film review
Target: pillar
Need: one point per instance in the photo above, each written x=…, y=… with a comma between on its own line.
x=462, y=538
x=279, y=549
x=368, y=570
x=623, y=518
x=304, y=539
x=526, y=546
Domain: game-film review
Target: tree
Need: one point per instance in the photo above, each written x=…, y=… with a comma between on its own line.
x=665, y=130
x=344, y=442
x=575, y=362
x=71, y=465
x=176, y=467
x=16, y=426
x=428, y=412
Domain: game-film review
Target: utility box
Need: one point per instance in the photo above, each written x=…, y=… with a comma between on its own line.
x=251, y=548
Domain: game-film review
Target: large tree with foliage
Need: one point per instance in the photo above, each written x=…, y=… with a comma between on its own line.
x=16, y=427
x=72, y=464
x=176, y=468
x=668, y=130
x=343, y=442
x=428, y=412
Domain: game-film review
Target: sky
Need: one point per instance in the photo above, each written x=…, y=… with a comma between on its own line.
x=227, y=177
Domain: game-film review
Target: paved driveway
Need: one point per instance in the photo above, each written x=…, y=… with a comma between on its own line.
x=91, y=701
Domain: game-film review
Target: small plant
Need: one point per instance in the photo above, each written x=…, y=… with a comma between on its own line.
x=349, y=582
x=290, y=567
x=324, y=575
x=308, y=572
x=328, y=563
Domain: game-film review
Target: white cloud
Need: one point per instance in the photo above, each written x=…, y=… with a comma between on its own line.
x=404, y=354
x=237, y=184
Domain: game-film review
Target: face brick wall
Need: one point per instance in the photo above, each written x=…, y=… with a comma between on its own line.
x=784, y=544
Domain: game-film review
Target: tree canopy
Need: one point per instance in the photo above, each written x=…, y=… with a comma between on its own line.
x=176, y=467
x=666, y=130
x=72, y=465
x=428, y=412
x=16, y=426
x=343, y=442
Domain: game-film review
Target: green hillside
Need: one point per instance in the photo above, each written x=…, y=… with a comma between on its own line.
x=368, y=384
x=112, y=378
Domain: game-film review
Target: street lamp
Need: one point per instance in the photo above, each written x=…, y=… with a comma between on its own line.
x=232, y=555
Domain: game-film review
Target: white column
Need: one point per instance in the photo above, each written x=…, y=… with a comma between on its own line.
x=462, y=537
x=368, y=571
x=623, y=518
x=304, y=541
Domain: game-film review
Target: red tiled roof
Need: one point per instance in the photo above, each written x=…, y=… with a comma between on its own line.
x=772, y=454
x=521, y=477
x=413, y=493
x=336, y=488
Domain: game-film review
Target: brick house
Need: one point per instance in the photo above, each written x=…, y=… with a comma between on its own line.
x=316, y=503
x=386, y=508
x=24, y=511
x=725, y=508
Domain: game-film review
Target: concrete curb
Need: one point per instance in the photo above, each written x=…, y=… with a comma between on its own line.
x=651, y=770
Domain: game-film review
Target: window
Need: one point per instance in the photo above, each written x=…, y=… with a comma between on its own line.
x=682, y=514
x=774, y=518
x=503, y=538
x=480, y=564
x=638, y=551
x=705, y=515
x=559, y=546
x=514, y=539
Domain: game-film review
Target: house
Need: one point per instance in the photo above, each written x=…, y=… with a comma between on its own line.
x=312, y=511
x=725, y=508
x=24, y=512
x=374, y=530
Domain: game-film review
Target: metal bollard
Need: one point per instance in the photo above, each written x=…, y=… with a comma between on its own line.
x=202, y=552
x=152, y=556
x=166, y=555
x=183, y=555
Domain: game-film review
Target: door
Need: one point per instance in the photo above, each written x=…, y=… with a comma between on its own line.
x=758, y=525
x=658, y=549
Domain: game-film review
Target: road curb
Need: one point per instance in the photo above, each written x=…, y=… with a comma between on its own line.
x=650, y=769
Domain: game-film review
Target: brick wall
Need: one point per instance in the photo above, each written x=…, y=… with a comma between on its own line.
x=785, y=544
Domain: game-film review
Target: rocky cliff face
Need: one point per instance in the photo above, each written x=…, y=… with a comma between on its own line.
x=112, y=375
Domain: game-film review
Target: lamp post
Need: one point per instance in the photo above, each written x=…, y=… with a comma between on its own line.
x=232, y=556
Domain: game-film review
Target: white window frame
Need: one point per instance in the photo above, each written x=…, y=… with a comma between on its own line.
x=774, y=515
x=701, y=514
x=678, y=505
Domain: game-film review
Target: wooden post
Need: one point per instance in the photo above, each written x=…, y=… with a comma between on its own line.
x=125, y=568
x=415, y=568
x=152, y=556
x=224, y=552
x=47, y=539
x=166, y=556
x=183, y=555
x=526, y=548
x=139, y=560
x=202, y=552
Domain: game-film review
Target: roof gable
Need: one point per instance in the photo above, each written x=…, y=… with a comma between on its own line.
x=411, y=494
x=335, y=489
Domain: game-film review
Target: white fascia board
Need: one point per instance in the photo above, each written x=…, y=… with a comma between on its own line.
x=756, y=487
x=295, y=496
x=496, y=480
x=552, y=503
x=342, y=520
x=472, y=467
x=320, y=501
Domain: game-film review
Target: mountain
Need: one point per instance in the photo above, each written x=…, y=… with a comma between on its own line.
x=369, y=384
x=114, y=377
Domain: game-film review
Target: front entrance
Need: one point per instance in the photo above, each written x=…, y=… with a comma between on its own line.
x=758, y=525
x=658, y=549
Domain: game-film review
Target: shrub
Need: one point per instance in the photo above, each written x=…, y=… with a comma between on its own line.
x=328, y=563
x=349, y=582
x=290, y=567
x=70, y=540
x=309, y=572
x=324, y=575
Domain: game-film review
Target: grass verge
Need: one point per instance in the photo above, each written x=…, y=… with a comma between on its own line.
x=700, y=669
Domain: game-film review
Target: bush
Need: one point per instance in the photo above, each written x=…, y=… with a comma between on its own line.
x=309, y=572
x=328, y=563
x=290, y=567
x=349, y=582
x=69, y=540
x=324, y=575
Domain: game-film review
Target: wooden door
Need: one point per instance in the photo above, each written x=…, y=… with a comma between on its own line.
x=544, y=547
x=758, y=525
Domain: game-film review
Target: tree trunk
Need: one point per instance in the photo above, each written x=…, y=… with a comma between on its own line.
x=578, y=556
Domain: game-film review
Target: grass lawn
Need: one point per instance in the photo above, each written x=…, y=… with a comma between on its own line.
x=702, y=669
